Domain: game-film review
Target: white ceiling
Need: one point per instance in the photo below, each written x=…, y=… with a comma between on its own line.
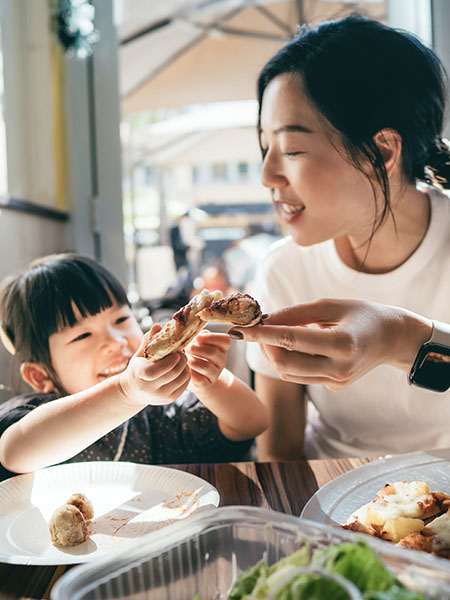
x=179, y=52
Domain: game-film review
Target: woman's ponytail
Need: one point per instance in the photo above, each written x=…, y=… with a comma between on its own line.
x=437, y=170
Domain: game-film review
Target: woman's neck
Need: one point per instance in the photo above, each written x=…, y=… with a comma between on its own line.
x=395, y=240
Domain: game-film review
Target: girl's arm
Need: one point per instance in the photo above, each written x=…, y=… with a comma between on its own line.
x=239, y=412
x=58, y=430
x=286, y=405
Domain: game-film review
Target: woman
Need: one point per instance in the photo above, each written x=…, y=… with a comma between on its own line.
x=350, y=121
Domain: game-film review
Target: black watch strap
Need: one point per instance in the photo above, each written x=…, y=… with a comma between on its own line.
x=431, y=368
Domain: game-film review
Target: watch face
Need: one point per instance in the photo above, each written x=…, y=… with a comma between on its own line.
x=431, y=369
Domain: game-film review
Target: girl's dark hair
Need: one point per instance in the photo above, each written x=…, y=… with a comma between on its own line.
x=39, y=302
x=364, y=76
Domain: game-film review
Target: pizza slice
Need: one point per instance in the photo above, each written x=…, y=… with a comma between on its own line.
x=398, y=510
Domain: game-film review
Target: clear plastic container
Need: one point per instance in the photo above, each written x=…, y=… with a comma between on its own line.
x=204, y=554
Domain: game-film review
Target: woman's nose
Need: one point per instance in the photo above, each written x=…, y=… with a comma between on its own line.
x=271, y=173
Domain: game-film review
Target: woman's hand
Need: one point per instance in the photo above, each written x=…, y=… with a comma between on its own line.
x=351, y=338
x=207, y=356
x=160, y=382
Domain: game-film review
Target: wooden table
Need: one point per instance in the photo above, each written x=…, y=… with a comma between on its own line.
x=283, y=486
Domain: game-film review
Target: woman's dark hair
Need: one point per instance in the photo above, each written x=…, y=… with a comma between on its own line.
x=364, y=76
x=39, y=302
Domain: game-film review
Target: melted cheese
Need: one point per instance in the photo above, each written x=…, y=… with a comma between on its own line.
x=204, y=299
x=404, y=502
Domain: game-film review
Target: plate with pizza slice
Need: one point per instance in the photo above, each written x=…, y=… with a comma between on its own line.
x=404, y=499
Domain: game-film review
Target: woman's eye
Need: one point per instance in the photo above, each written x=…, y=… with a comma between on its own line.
x=295, y=153
x=82, y=336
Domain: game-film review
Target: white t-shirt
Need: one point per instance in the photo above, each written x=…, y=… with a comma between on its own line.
x=380, y=413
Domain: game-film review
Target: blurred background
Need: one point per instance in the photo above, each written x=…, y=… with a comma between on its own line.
x=127, y=133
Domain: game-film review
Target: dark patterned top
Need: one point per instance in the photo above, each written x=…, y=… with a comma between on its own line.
x=178, y=433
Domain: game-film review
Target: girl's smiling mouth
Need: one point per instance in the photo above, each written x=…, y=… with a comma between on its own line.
x=118, y=368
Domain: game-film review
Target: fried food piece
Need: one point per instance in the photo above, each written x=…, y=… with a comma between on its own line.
x=83, y=504
x=235, y=309
x=182, y=328
x=68, y=526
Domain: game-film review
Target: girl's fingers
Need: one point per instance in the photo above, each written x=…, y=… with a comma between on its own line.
x=203, y=367
x=165, y=369
x=211, y=353
x=206, y=338
x=179, y=383
x=199, y=379
x=154, y=329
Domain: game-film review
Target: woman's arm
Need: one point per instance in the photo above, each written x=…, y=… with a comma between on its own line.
x=286, y=405
x=60, y=429
x=352, y=338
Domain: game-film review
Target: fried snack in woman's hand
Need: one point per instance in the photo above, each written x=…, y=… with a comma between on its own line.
x=237, y=309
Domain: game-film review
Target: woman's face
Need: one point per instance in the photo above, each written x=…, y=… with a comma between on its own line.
x=95, y=348
x=317, y=192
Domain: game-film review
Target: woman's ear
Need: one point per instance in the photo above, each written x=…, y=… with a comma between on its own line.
x=389, y=144
x=37, y=377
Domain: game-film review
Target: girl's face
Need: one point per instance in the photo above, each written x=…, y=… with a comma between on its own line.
x=95, y=348
x=317, y=192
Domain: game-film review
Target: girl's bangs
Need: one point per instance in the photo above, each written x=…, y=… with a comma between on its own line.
x=89, y=288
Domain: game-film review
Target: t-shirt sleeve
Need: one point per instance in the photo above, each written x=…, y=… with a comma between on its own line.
x=13, y=411
x=255, y=358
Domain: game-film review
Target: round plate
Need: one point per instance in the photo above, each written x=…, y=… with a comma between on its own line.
x=130, y=500
x=339, y=498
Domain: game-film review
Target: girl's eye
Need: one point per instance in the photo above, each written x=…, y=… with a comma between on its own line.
x=122, y=320
x=82, y=336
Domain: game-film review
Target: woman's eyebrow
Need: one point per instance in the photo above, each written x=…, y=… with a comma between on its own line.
x=298, y=128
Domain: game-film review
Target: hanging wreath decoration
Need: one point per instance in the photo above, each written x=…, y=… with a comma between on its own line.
x=73, y=23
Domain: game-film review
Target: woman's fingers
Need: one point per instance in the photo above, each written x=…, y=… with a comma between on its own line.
x=325, y=311
x=298, y=339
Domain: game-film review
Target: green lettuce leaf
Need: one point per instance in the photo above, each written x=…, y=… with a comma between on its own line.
x=358, y=563
x=246, y=581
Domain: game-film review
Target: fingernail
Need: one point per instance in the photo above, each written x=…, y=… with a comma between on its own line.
x=236, y=335
x=264, y=317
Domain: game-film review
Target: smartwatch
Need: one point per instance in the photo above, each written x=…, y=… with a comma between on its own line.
x=431, y=369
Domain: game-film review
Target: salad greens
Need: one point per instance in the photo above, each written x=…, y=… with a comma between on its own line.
x=333, y=573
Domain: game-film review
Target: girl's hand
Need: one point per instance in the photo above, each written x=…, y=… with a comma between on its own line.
x=161, y=382
x=207, y=355
x=351, y=338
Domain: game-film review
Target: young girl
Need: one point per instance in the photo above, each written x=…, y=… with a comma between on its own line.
x=68, y=323
x=351, y=117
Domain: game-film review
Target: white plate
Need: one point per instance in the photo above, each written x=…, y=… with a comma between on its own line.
x=130, y=500
x=339, y=498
